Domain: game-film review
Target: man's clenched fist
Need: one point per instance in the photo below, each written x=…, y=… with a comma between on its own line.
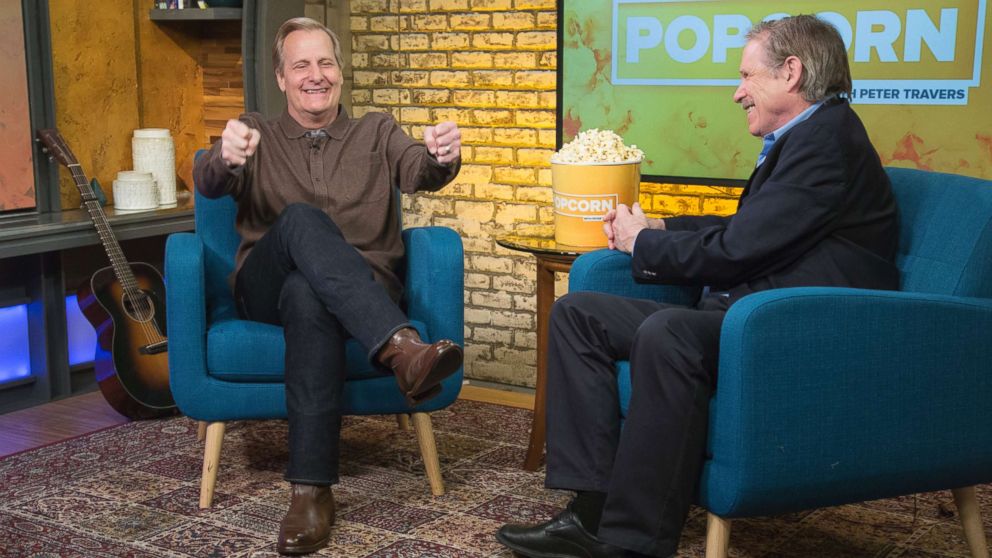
x=238, y=142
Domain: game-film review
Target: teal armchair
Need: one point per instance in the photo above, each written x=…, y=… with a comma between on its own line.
x=223, y=368
x=829, y=396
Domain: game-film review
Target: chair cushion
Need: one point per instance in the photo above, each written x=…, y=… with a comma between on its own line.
x=246, y=351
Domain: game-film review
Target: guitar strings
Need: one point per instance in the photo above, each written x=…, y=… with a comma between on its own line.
x=139, y=299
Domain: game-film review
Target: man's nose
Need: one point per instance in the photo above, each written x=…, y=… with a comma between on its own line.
x=739, y=93
x=314, y=74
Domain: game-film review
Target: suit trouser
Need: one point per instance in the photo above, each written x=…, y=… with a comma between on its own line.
x=303, y=275
x=650, y=469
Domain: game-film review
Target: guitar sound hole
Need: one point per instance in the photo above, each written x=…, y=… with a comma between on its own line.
x=139, y=308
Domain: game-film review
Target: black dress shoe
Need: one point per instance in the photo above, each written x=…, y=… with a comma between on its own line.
x=562, y=537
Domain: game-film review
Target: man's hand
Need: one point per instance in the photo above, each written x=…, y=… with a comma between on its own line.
x=622, y=225
x=238, y=142
x=444, y=142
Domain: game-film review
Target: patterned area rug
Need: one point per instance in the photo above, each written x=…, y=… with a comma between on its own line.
x=132, y=490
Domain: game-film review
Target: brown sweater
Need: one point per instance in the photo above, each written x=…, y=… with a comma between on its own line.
x=352, y=174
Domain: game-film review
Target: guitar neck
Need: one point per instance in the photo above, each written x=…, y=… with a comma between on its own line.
x=122, y=270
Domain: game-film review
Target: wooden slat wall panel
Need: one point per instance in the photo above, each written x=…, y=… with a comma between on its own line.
x=223, y=87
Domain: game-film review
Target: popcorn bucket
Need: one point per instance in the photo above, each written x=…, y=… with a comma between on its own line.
x=584, y=192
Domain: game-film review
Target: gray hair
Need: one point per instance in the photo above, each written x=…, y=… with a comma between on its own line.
x=817, y=44
x=300, y=24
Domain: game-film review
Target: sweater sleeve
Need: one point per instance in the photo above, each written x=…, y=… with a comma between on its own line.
x=413, y=166
x=213, y=177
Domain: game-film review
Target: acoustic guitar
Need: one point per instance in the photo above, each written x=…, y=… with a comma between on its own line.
x=124, y=303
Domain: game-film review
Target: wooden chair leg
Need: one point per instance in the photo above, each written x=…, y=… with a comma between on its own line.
x=971, y=520
x=428, y=450
x=717, y=536
x=403, y=420
x=211, y=461
x=201, y=430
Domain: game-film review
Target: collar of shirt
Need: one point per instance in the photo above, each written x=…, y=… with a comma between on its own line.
x=336, y=129
x=770, y=139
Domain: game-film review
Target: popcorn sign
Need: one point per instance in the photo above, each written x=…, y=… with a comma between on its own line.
x=588, y=207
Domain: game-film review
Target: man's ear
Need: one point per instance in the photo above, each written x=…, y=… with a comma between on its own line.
x=794, y=69
x=281, y=81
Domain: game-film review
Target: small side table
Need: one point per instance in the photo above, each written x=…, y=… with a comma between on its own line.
x=551, y=257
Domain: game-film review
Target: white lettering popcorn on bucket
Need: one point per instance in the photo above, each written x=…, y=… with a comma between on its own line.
x=585, y=206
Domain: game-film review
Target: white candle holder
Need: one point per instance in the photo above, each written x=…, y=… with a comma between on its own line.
x=152, y=151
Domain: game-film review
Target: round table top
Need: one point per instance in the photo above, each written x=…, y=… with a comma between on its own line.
x=540, y=245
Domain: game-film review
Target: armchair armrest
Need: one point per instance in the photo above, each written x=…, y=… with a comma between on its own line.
x=186, y=314
x=828, y=395
x=608, y=271
x=435, y=281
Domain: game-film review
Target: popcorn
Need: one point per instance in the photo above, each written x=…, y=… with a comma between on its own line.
x=597, y=146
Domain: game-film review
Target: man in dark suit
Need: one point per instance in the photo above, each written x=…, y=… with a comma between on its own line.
x=818, y=210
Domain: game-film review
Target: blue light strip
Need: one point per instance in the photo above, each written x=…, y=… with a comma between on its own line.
x=15, y=348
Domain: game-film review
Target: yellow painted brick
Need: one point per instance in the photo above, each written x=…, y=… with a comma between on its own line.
x=492, y=117
x=471, y=60
x=513, y=284
x=547, y=99
x=494, y=192
x=514, y=320
x=361, y=110
x=486, y=5
x=492, y=40
x=470, y=22
x=415, y=115
x=424, y=60
x=536, y=80
x=410, y=6
x=429, y=22
x=359, y=24
x=513, y=20
x=545, y=214
x=475, y=174
x=449, y=41
x=536, y=118
x=719, y=206
x=537, y=194
x=448, y=5
x=458, y=78
x=514, y=175
x=457, y=115
x=369, y=6
x=491, y=264
x=524, y=338
x=389, y=60
x=548, y=60
x=386, y=96
x=493, y=78
x=476, y=281
x=361, y=96
x=515, y=60
x=414, y=41
x=517, y=99
x=477, y=135
x=508, y=213
x=458, y=189
x=515, y=136
x=485, y=154
x=410, y=79
x=544, y=177
x=472, y=98
x=534, y=4
x=359, y=60
x=675, y=205
x=430, y=96
x=433, y=205
x=492, y=299
x=534, y=157
x=384, y=23
x=547, y=20
x=546, y=138
x=365, y=79
x=370, y=42
x=476, y=315
x=478, y=211
x=537, y=40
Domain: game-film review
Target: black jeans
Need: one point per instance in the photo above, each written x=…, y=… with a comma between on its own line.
x=303, y=275
x=650, y=470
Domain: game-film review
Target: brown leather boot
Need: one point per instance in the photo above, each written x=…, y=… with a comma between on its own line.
x=307, y=525
x=419, y=367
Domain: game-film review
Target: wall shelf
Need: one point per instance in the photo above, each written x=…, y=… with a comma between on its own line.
x=193, y=14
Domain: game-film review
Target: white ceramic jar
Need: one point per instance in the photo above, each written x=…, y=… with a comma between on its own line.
x=152, y=150
x=135, y=191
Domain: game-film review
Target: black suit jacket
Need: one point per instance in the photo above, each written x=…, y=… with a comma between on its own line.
x=819, y=211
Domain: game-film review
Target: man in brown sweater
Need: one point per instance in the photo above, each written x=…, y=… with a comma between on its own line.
x=318, y=216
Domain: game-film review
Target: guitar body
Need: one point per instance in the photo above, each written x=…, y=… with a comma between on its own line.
x=132, y=363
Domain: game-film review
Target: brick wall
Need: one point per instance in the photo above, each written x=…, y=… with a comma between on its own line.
x=488, y=65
